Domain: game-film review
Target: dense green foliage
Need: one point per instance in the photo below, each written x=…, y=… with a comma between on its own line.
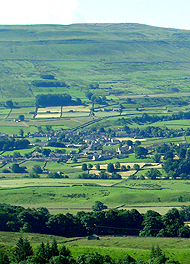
x=10, y=144
x=110, y=222
x=48, y=84
x=44, y=100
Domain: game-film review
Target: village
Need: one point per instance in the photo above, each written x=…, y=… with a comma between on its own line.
x=84, y=144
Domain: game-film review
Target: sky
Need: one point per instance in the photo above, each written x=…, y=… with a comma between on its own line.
x=161, y=13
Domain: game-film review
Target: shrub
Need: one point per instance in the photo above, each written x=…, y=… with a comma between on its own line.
x=6, y=171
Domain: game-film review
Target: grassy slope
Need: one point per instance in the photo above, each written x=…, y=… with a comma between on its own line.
x=116, y=247
x=72, y=195
x=129, y=57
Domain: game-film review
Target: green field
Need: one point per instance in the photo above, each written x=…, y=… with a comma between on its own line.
x=72, y=195
x=117, y=247
x=129, y=58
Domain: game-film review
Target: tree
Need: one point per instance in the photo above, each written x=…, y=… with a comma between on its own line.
x=48, y=252
x=103, y=175
x=115, y=175
x=169, y=155
x=90, y=166
x=97, y=166
x=84, y=167
x=78, y=101
x=184, y=231
x=153, y=174
x=23, y=250
x=157, y=256
x=126, y=128
x=152, y=224
x=16, y=168
x=129, y=142
x=156, y=158
x=37, y=169
x=117, y=165
x=9, y=103
x=65, y=251
x=110, y=167
x=99, y=206
x=173, y=221
x=21, y=132
x=102, y=130
x=89, y=95
x=93, y=259
x=140, y=152
x=41, y=254
x=182, y=153
x=45, y=100
x=123, y=168
x=136, y=167
x=54, y=248
x=21, y=144
x=137, y=142
x=74, y=160
x=46, y=152
x=16, y=154
x=21, y=117
x=185, y=212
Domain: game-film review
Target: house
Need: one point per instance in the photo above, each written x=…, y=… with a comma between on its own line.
x=52, y=139
x=115, y=141
x=39, y=144
x=4, y=135
x=93, y=237
x=181, y=145
x=124, y=149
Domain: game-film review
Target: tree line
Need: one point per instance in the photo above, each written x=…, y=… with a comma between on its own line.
x=48, y=83
x=44, y=100
x=11, y=144
x=105, y=222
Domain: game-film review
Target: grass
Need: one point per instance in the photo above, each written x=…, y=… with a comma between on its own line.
x=174, y=140
x=116, y=247
x=22, y=151
x=72, y=195
x=123, y=64
x=137, y=247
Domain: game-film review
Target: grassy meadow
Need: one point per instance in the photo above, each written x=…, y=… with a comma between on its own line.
x=129, y=58
x=115, y=246
x=72, y=195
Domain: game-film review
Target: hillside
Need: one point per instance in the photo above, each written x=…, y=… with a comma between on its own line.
x=125, y=58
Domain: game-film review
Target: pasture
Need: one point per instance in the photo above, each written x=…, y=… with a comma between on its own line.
x=72, y=195
x=117, y=247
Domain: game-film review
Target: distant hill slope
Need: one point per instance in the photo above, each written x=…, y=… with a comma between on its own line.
x=132, y=58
